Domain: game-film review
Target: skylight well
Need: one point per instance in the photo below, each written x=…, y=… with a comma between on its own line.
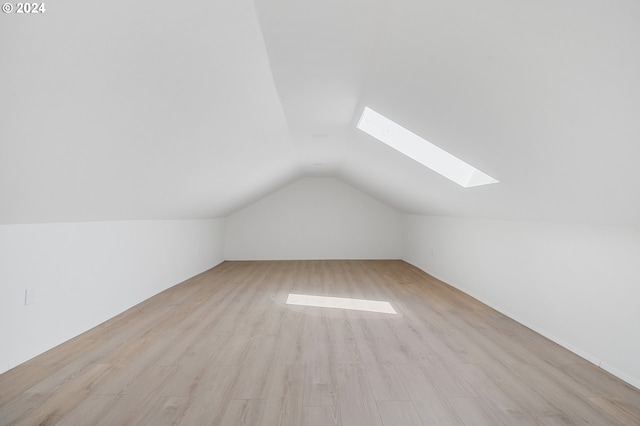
x=421, y=150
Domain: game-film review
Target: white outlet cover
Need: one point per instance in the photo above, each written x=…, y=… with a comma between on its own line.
x=29, y=296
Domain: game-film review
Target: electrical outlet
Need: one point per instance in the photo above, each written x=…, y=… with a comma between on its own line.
x=29, y=296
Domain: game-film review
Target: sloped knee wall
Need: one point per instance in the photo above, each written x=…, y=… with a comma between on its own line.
x=82, y=274
x=577, y=285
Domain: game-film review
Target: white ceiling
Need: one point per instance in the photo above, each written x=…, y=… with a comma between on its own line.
x=158, y=110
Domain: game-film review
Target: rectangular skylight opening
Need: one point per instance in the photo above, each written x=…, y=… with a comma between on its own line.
x=421, y=150
x=340, y=303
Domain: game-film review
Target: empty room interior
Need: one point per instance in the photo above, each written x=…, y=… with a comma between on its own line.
x=253, y=212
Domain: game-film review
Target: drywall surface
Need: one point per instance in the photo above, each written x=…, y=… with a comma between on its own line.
x=314, y=218
x=82, y=274
x=576, y=285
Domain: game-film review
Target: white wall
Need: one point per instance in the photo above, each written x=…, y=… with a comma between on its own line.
x=577, y=285
x=86, y=273
x=314, y=218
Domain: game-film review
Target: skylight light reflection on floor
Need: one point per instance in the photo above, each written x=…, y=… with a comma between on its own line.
x=421, y=150
x=340, y=303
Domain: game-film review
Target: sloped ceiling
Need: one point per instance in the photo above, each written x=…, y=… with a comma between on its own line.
x=158, y=110
x=137, y=110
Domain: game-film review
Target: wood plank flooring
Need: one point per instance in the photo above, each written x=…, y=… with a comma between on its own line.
x=223, y=348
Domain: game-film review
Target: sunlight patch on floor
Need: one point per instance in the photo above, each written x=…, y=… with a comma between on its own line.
x=340, y=303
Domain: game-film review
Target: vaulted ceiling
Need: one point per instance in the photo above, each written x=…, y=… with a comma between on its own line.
x=163, y=110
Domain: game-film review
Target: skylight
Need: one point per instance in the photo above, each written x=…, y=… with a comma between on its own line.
x=421, y=150
x=340, y=303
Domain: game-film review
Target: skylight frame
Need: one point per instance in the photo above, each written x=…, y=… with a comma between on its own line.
x=421, y=150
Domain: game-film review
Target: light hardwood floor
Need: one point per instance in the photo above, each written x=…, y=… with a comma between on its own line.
x=224, y=348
